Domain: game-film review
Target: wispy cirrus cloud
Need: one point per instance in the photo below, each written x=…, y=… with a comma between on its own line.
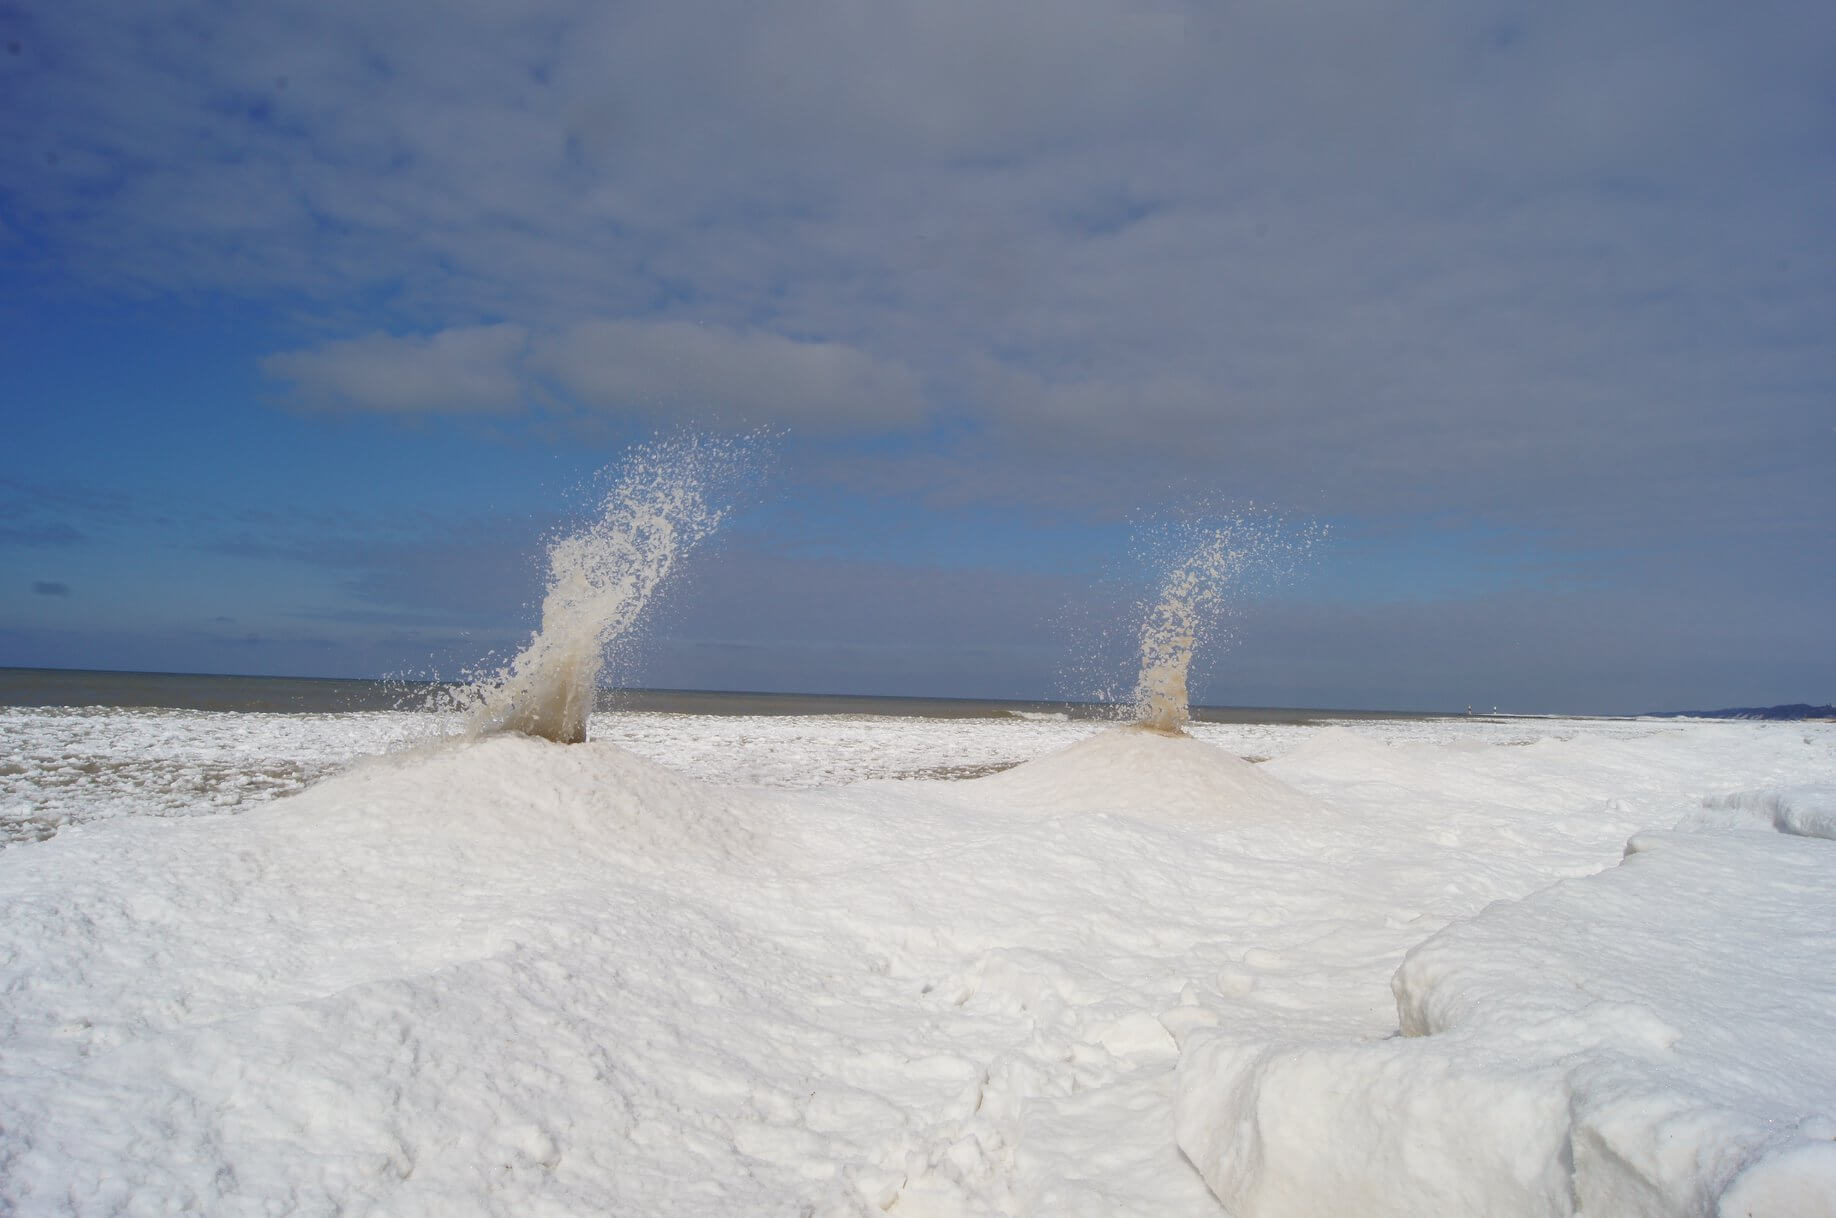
x=49, y=533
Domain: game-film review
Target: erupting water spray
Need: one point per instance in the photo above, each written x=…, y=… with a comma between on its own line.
x=1203, y=565
x=1190, y=597
x=601, y=579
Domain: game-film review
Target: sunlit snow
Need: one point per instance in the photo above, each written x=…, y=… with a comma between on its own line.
x=846, y=965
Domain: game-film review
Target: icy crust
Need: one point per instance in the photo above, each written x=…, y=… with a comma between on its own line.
x=1650, y=1041
x=64, y=766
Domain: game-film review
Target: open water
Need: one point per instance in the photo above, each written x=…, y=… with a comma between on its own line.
x=67, y=687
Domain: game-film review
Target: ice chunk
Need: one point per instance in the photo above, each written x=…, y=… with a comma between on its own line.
x=1659, y=1039
x=1807, y=811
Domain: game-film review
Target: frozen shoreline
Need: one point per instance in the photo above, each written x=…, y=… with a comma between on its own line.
x=723, y=965
x=71, y=765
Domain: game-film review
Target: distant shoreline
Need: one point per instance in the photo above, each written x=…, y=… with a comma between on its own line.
x=81, y=687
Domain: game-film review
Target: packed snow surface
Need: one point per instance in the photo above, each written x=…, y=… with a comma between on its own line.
x=840, y=965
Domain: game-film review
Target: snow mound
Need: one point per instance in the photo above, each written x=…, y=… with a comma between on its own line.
x=444, y=982
x=1337, y=750
x=1806, y=811
x=515, y=793
x=1147, y=775
x=1653, y=1040
x=403, y=864
x=1342, y=757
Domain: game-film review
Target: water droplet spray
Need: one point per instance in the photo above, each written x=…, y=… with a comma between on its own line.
x=666, y=499
x=1204, y=565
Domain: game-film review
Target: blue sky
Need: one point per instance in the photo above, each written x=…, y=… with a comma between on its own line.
x=317, y=318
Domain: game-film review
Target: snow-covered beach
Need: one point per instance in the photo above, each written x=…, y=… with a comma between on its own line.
x=799, y=964
x=676, y=610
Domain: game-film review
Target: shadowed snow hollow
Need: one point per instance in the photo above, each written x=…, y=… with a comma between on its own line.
x=1804, y=811
x=1148, y=775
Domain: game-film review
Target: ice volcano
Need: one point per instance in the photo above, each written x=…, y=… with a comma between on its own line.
x=1190, y=594
x=1151, y=769
x=601, y=580
x=1146, y=775
x=1202, y=565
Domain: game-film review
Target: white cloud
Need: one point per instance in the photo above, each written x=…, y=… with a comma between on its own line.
x=707, y=372
x=1493, y=257
x=463, y=370
x=679, y=371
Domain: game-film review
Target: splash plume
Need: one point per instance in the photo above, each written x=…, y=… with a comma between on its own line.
x=1204, y=566
x=601, y=579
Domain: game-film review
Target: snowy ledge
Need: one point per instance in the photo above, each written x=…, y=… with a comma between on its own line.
x=1658, y=1039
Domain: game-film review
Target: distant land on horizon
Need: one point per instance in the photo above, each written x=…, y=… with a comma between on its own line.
x=1796, y=710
